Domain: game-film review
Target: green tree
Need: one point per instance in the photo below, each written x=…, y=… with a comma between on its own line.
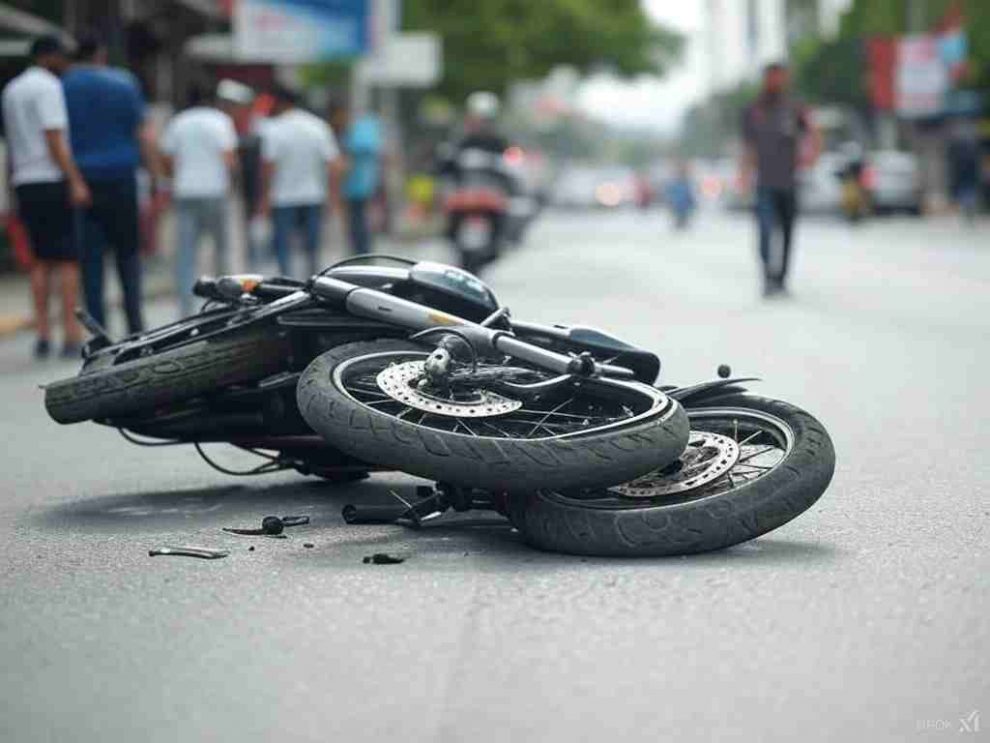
x=489, y=44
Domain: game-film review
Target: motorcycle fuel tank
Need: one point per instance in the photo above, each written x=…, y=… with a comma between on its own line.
x=454, y=282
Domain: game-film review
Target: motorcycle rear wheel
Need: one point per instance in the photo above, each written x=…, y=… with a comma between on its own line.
x=520, y=449
x=171, y=376
x=768, y=462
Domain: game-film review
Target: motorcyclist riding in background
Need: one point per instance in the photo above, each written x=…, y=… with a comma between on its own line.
x=478, y=185
x=480, y=124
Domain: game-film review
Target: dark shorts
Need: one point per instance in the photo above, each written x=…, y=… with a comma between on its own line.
x=44, y=209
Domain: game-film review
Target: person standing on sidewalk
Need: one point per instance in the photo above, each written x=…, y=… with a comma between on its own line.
x=361, y=142
x=48, y=185
x=199, y=148
x=298, y=177
x=109, y=136
x=776, y=129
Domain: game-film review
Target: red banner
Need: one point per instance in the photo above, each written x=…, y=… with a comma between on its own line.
x=881, y=53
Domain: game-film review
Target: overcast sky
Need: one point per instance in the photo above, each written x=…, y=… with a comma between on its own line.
x=650, y=102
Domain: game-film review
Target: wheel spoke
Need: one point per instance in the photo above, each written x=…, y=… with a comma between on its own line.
x=757, y=453
x=465, y=426
x=749, y=438
x=562, y=405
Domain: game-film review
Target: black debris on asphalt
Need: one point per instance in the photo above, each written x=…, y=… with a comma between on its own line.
x=381, y=558
x=200, y=552
x=271, y=526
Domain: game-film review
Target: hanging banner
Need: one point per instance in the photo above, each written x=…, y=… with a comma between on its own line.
x=300, y=31
x=881, y=55
x=922, y=79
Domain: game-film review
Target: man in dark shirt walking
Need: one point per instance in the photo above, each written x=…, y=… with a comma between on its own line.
x=778, y=136
x=109, y=133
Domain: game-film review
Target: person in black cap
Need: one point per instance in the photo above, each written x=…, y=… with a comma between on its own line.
x=47, y=183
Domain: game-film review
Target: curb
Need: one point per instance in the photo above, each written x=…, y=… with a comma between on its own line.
x=12, y=323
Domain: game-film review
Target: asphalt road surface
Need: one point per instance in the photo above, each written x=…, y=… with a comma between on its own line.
x=865, y=619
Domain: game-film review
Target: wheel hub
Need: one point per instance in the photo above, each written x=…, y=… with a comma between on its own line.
x=399, y=381
x=708, y=457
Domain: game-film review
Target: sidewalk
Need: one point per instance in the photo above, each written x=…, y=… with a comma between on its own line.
x=159, y=283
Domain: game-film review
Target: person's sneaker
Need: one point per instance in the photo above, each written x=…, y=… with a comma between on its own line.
x=42, y=348
x=72, y=351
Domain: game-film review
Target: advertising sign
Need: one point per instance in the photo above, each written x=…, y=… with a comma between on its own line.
x=922, y=76
x=299, y=31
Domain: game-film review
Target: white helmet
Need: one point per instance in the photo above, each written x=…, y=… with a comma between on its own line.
x=483, y=105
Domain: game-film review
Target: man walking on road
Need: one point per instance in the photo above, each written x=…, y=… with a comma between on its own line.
x=298, y=177
x=199, y=148
x=775, y=130
x=109, y=135
x=48, y=185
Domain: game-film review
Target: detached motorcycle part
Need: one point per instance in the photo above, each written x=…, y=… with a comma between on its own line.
x=784, y=463
x=627, y=430
x=200, y=552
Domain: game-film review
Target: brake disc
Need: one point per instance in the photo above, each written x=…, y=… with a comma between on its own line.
x=708, y=457
x=399, y=381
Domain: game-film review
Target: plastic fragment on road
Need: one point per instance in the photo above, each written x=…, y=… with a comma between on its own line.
x=201, y=552
x=381, y=558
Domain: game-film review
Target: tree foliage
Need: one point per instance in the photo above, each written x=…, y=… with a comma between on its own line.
x=711, y=124
x=488, y=44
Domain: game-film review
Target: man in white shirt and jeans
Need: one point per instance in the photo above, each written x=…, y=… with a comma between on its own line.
x=48, y=185
x=298, y=178
x=199, y=147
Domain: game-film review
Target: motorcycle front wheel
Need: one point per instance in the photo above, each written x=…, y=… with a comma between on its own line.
x=751, y=465
x=366, y=399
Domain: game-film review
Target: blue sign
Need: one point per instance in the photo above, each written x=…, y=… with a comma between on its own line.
x=294, y=31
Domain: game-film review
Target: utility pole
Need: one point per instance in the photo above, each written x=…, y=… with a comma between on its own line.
x=916, y=16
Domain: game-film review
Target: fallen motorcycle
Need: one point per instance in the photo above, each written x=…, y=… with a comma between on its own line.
x=417, y=367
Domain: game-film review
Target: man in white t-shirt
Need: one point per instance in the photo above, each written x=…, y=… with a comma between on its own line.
x=199, y=148
x=48, y=185
x=298, y=177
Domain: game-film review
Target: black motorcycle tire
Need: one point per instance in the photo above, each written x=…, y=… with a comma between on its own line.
x=168, y=377
x=493, y=463
x=553, y=524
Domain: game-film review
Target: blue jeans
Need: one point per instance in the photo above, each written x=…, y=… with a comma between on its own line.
x=357, y=215
x=775, y=207
x=306, y=220
x=196, y=217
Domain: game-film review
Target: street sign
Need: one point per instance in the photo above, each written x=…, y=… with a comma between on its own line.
x=411, y=59
x=300, y=31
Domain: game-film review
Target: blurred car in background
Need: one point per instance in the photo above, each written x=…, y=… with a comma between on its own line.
x=718, y=183
x=591, y=186
x=893, y=181
x=820, y=186
x=890, y=180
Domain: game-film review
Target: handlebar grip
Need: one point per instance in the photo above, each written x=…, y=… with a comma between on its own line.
x=205, y=287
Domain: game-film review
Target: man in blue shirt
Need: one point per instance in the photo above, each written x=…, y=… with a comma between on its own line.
x=108, y=132
x=361, y=143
